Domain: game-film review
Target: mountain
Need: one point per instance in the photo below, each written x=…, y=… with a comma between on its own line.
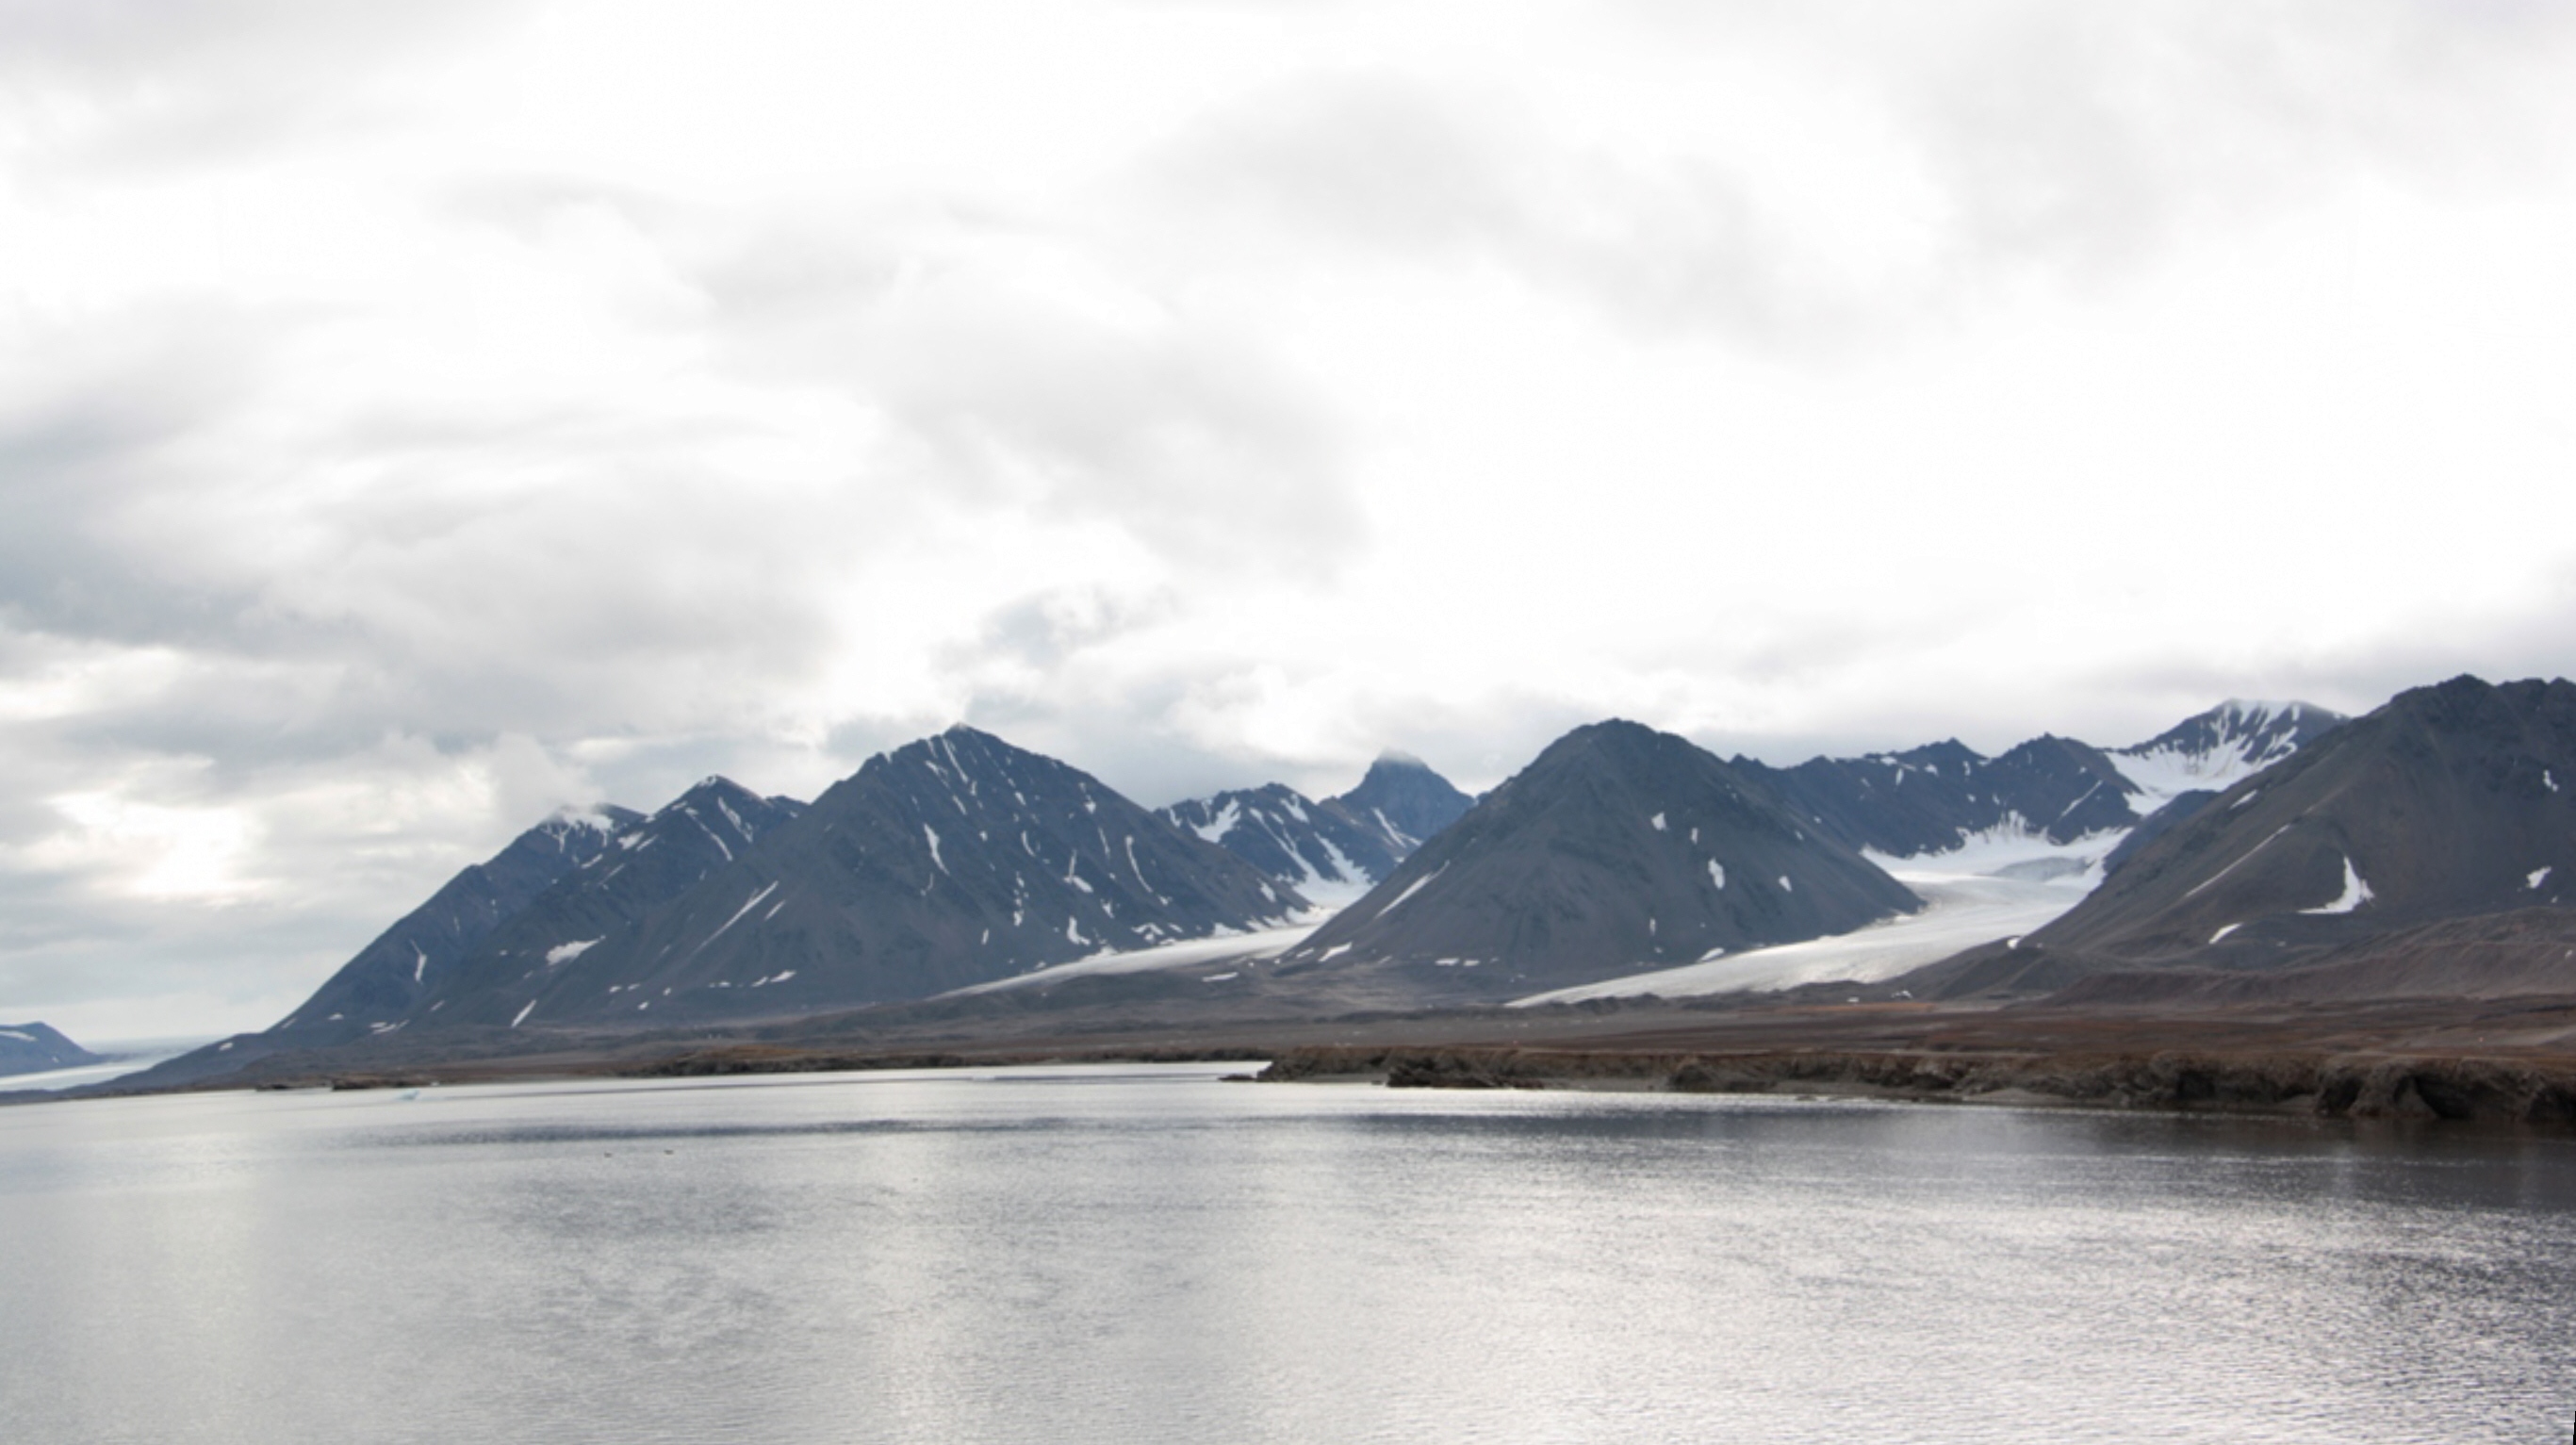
x=1935, y=798
x=1278, y=830
x=1403, y=802
x=650, y=862
x=2224, y=746
x=2450, y=802
x=411, y=960
x=35, y=1048
x=1619, y=849
x=955, y=860
x=1338, y=847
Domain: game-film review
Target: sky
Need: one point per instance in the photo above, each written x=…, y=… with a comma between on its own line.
x=414, y=419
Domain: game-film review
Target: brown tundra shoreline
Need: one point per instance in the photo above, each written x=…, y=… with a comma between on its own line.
x=2351, y=1086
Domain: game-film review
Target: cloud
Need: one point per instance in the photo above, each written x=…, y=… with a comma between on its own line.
x=95, y=419
x=1921, y=161
x=1019, y=372
x=1384, y=161
x=410, y=422
x=145, y=84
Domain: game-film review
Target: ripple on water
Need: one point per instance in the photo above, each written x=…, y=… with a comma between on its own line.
x=1146, y=1254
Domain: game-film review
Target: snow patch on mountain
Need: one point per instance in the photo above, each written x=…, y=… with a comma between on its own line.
x=2218, y=749
x=1418, y=885
x=2012, y=848
x=2355, y=893
x=1215, y=829
x=1254, y=947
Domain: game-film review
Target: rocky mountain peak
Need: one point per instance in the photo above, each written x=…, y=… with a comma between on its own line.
x=1618, y=848
x=1401, y=801
x=2216, y=749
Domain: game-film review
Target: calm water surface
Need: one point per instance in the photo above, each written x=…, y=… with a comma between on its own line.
x=1147, y=1254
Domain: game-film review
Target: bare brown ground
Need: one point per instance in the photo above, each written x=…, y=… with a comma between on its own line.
x=2500, y=1059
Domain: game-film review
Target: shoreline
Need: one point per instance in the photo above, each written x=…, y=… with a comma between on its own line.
x=2355, y=1086
x=2503, y=1060
x=2448, y=1088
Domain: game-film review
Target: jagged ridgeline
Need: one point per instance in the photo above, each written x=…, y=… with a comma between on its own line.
x=955, y=860
x=1933, y=798
x=1619, y=849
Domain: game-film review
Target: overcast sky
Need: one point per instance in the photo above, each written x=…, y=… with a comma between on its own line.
x=417, y=417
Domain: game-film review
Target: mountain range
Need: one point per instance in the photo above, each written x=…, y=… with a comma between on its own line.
x=2254, y=838
x=953, y=861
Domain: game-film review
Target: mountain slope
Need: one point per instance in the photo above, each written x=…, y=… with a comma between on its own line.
x=650, y=863
x=1619, y=848
x=955, y=860
x=380, y=987
x=412, y=959
x=2452, y=801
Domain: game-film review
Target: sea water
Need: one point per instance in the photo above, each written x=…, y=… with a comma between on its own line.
x=1150, y=1254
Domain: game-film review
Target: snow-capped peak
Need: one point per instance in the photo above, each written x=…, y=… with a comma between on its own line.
x=2221, y=747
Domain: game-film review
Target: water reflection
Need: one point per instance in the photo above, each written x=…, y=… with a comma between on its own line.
x=1151, y=1255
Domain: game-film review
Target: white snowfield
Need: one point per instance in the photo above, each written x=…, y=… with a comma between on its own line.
x=1991, y=887
x=1331, y=897
x=2165, y=772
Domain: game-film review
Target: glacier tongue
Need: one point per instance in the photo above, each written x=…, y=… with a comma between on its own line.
x=2004, y=881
